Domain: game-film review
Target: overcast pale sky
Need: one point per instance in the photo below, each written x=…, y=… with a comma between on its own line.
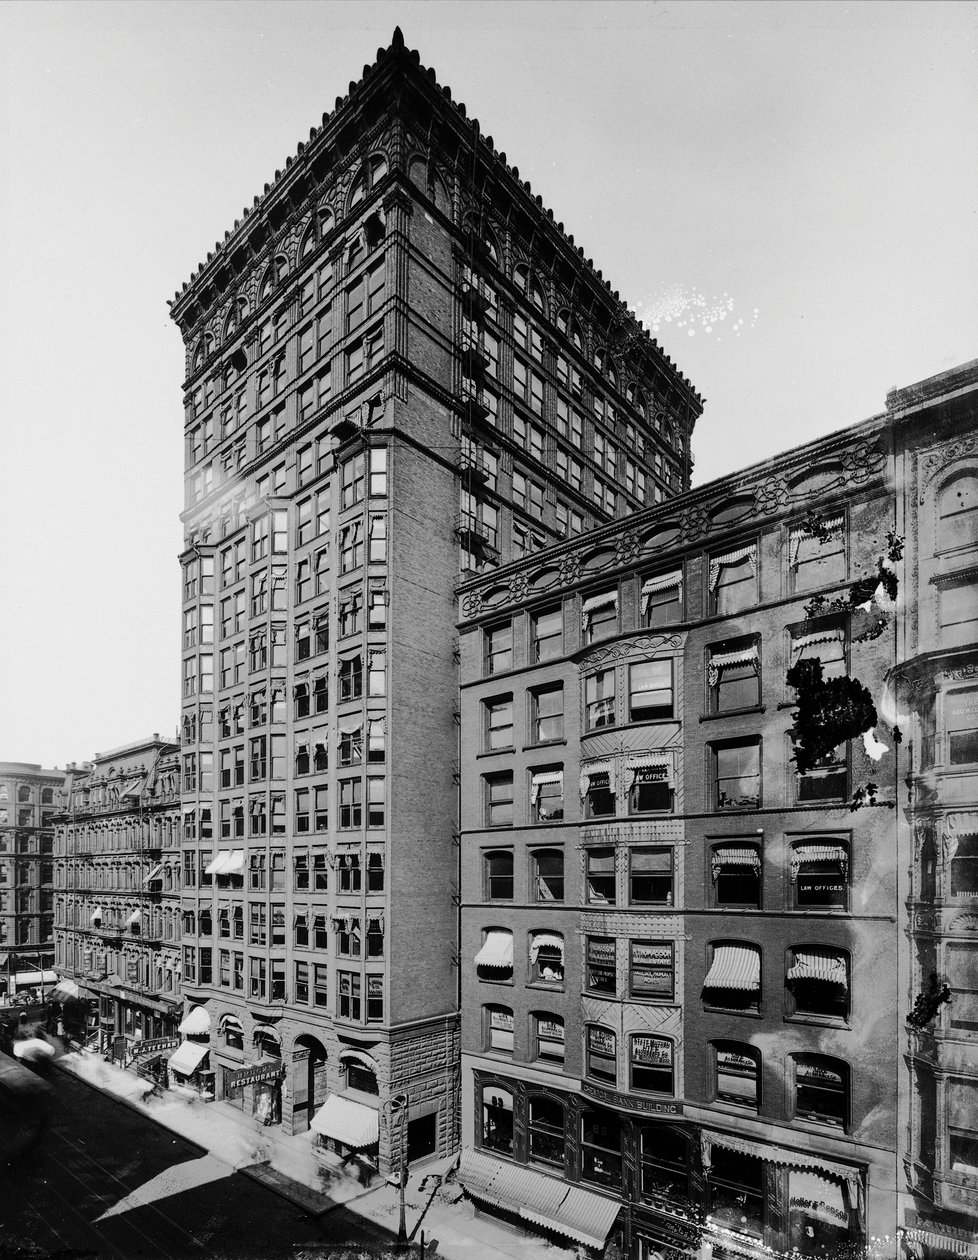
x=788, y=192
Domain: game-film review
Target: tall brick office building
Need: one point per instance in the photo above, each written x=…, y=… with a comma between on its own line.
x=27, y=803
x=398, y=368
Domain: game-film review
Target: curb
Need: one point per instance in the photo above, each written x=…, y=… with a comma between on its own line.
x=124, y=1102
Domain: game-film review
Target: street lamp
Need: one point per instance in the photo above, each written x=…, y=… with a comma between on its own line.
x=397, y=1105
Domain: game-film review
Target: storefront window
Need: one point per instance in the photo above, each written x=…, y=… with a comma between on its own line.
x=601, y=1160
x=497, y=1119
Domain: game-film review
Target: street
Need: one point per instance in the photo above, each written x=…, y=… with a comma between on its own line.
x=107, y=1182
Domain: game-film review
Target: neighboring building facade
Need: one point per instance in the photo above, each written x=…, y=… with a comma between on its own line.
x=398, y=366
x=935, y=685
x=117, y=900
x=27, y=803
x=684, y=970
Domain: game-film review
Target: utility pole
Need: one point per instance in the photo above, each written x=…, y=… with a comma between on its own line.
x=398, y=1106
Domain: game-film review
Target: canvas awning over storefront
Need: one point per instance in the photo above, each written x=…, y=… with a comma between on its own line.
x=187, y=1058
x=196, y=1022
x=348, y=1122
x=576, y=1213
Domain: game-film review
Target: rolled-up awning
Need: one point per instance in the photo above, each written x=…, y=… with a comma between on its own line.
x=592, y=604
x=734, y=967
x=808, y=854
x=546, y=941
x=545, y=776
x=735, y=856
x=578, y=1214
x=813, y=963
x=594, y=771
x=497, y=950
x=187, y=1057
x=196, y=1022
x=360, y=1058
x=732, y=557
x=348, y=1122
x=730, y=660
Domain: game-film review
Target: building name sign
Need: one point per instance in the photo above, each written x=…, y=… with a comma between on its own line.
x=141, y=1048
x=252, y=1076
x=631, y=1104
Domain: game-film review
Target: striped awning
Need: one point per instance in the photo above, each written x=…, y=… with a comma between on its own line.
x=347, y=1122
x=537, y=780
x=732, y=856
x=834, y=634
x=808, y=854
x=732, y=557
x=734, y=967
x=196, y=1022
x=581, y=1215
x=664, y=583
x=497, y=951
x=360, y=1058
x=548, y=941
x=591, y=605
x=771, y=1154
x=813, y=963
x=155, y=873
x=942, y=1244
x=187, y=1057
x=594, y=769
x=729, y=660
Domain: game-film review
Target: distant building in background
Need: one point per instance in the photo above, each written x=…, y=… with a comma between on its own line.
x=686, y=980
x=27, y=803
x=399, y=368
x=117, y=902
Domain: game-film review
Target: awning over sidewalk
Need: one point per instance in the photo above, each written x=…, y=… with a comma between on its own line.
x=346, y=1121
x=187, y=1057
x=572, y=1211
x=66, y=989
x=35, y=977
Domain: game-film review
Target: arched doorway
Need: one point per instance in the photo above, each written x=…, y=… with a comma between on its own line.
x=309, y=1083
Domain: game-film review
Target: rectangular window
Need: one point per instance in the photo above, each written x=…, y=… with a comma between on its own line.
x=547, y=795
x=600, y=877
x=651, y=1064
x=549, y=1038
x=820, y=873
x=961, y=723
x=817, y=559
x=733, y=581
x=736, y=1079
x=650, y=696
x=499, y=800
x=734, y=677
x=650, y=877
x=547, y=634
x=736, y=872
x=547, y=715
x=351, y=803
x=498, y=730
x=736, y=775
x=651, y=971
x=599, y=699
x=302, y=983
x=349, y=995
x=600, y=1058
x=499, y=649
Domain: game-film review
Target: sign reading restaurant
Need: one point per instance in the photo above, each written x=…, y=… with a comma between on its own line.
x=252, y=1076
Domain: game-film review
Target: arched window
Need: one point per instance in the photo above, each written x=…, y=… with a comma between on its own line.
x=545, y=1131
x=737, y=1074
x=268, y=1042
x=546, y=958
x=371, y=173
x=24, y=793
x=499, y=875
x=536, y=295
x=817, y=979
x=957, y=513
x=498, y=1029
x=494, y=961
x=605, y=365
x=521, y=278
x=497, y=1119
x=567, y=324
x=821, y=1090
x=231, y=1033
x=637, y=398
x=548, y=1036
x=361, y=1071
x=733, y=981
x=664, y=1158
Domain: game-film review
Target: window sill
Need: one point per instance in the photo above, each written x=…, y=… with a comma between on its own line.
x=494, y=752
x=713, y=717
x=731, y=1010
x=818, y=1021
x=545, y=743
x=541, y=986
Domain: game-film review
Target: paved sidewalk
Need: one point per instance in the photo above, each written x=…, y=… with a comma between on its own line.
x=289, y=1166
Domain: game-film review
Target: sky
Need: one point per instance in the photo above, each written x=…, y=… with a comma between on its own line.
x=786, y=194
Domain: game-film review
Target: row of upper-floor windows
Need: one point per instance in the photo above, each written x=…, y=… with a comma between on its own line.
x=354, y=673
x=647, y=784
x=25, y=842
x=26, y=793
x=817, y=866
x=270, y=871
x=345, y=934
x=817, y=978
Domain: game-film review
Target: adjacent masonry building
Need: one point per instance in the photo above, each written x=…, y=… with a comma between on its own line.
x=398, y=369
x=27, y=804
x=117, y=893
x=687, y=968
